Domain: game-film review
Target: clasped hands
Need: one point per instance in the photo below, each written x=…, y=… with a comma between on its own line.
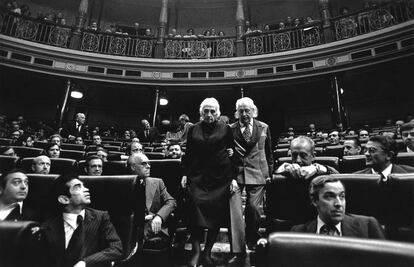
x=297, y=171
x=156, y=222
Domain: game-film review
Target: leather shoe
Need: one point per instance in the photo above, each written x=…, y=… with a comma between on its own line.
x=237, y=259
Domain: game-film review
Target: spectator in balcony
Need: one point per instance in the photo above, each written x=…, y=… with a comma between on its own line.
x=41, y=165
x=312, y=131
x=266, y=28
x=148, y=33
x=136, y=28
x=207, y=33
x=173, y=33
x=282, y=25
x=247, y=28
x=16, y=8
x=49, y=17
x=93, y=26
x=213, y=32
x=52, y=150
x=221, y=34
x=309, y=20
x=25, y=11
x=289, y=22
x=352, y=147
x=190, y=33
x=58, y=18
x=296, y=22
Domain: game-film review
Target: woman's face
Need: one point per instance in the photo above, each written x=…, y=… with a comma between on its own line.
x=54, y=151
x=209, y=114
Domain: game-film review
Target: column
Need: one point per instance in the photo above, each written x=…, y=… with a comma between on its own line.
x=338, y=114
x=80, y=22
x=325, y=11
x=239, y=28
x=65, y=102
x=157, y=97
x=159, y=48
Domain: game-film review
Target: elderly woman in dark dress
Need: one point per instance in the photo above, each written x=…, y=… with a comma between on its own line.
x=209, y=175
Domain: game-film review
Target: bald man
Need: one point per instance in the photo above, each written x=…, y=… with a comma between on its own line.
x=41, y=165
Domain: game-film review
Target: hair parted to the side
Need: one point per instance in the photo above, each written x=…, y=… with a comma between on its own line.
x=318, y=183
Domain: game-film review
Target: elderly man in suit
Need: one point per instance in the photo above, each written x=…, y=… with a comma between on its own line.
x=76, y=128
x=380, y=152
x=328, y=197
x=254, y=162
x=158, y=202
x=148, y=133
x=79, y=236
x=14, y=187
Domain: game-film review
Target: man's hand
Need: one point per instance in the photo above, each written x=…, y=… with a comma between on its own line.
x=230, y=152
x=156, y=224
x=233, y=186
x=80, y=264
x=184, y=182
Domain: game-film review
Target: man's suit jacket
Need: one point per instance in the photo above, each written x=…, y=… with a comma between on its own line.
x=27, y=214
x=352, y=226
x=71, y=129
x=254, y=159
x=395, y=169
x=152, y=136
x=101, y=245
x=158, y=201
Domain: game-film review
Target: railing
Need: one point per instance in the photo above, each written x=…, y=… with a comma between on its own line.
x=208, y=47
x=289, y=39
x=38, y=31
x=372, y=19
x=117, y=44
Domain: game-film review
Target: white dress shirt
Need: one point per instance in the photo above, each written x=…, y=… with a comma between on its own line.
x=243, y=126
x=70, y=225
x=7, y=210
x=320, y=223
x=385, y=172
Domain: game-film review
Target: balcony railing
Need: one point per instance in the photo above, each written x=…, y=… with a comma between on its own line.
x=372, y=19
x=208, y=47
x=347, y=26
x=289, y=39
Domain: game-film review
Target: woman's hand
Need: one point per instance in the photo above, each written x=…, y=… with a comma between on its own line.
x=184, y=182
x=234, y=186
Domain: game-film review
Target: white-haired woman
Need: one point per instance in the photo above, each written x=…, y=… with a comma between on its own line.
x=209, y=172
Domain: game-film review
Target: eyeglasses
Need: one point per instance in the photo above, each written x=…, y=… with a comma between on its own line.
x=145, y=164
x=406, y=134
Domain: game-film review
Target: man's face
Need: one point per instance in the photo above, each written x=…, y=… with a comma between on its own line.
x=245, y=114
x=29, y=141
x=312, y=127
x=408, y=138
x=79, y=194
x=136, y=148
x=79, y=140
x=145, y=124
x=55, y=140
x=103, y=155
x=302, y=154
x=80, y=118
x=350, y=148
x=127, y=135
x=54, y=151
x=95, y=167
x=175, y=152
x=41, y=165
x=15, y=135
x=363, y=135
x=334, y=138
x=142, y=167
x=16, y=188
x=376, y=157
x=97, y=140
x=331, y=203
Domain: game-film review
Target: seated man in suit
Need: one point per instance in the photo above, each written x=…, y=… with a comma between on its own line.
x=352, y=147
x=380, y=152
x=328, y=196
x=94, y=165
x=407, y=135
x=14, y=187
x=41, y=165
x=77, y=235
x=302, y=166
x=158, y=202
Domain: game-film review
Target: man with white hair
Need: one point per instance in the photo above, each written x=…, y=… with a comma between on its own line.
x=254, y=161
x=77, y=128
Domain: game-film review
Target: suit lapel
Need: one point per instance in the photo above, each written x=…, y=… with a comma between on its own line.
x=149, y=193
x=57, y=236
x=89, y=226
x=311, y=227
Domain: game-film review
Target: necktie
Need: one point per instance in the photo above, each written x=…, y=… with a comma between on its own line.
x=328, y=230
x=246, y=133
x=73, y=252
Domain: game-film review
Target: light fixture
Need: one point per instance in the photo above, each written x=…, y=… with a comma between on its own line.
x=163, y=98
x=76, y=94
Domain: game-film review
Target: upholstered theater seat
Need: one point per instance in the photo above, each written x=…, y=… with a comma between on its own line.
x=39, y=198
x=5, y=141
x=42, y=145
x=280, y=152
x=334, y=151
x=7, y=163
x=405, y=158
x=73, y=147
x=21, y=244
x=25, y=152
x=330, y=161
x=117, y=167
x=155, y=155
x=295, y=249
x=72, y=154
x=281, y=145
x=350, y=164
x=112, y=143
x=169, y=170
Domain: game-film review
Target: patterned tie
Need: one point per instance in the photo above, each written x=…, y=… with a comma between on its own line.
x=328, y=230
x=246, y=133
x=73, y=252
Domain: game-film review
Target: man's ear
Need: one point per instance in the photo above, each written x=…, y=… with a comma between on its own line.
x=62, y=199
x=313, y=201
x=33, y=167
x=391, y=155
x=86, y=169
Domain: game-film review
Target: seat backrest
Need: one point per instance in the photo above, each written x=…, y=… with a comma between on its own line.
x=39, y=197
x=155, y=155
x=62, y=165
x=405, y=158
x=113, y=148
x=42, y=145
x=170, y=171
x=5, y=141
x=318, y=151
x=25, y=152
x=322, y=144
x=334, y=151
x=330, y=161
x=21, y=244
x=297, y=249
x=280, y=152
x=72, y=154
x=148, y=149
x=112, y=143
x=286, y=145
x=7, y=163
x=350, y=164
x=72, y=147
x=115, y=168
x=121, y=207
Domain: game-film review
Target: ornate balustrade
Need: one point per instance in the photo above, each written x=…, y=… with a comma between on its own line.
x=372, y=19
x=278, y=41
x=208, y=47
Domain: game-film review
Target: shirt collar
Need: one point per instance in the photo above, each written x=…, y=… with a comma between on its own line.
x=250, y=124
x=409, y=150
x=71, y=218
x=13, y=206
x=320, y=223
x=385, y=172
